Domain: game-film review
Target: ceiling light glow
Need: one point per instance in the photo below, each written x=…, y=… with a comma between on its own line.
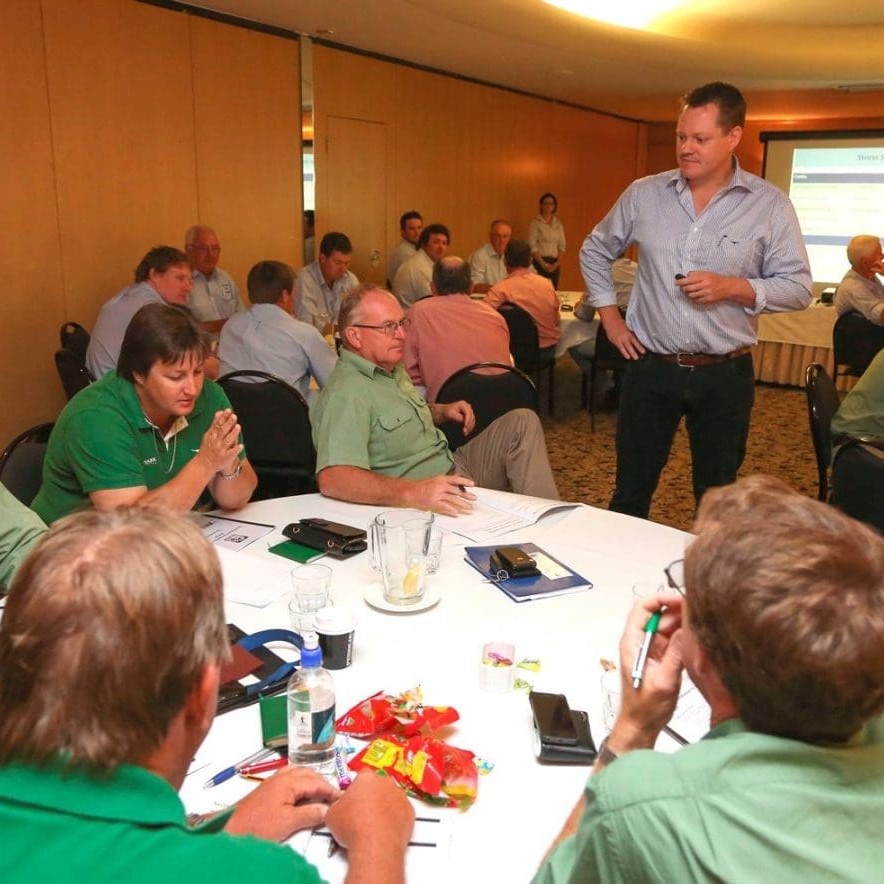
x=636, y=14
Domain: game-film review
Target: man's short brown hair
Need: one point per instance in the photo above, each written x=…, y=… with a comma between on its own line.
x=517, y=254
x=451, y=276
x=726, y=97
x=109, y=626
x=267, y=280
x=786, y=596
x=160, y=259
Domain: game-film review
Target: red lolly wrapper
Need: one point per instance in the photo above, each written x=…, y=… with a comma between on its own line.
x=427, y=768
x=387, y=714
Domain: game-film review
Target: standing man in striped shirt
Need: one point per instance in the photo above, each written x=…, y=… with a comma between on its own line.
x=717, y=247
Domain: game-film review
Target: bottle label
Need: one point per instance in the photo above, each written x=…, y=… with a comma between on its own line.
x=316, y=727
x=323, y=725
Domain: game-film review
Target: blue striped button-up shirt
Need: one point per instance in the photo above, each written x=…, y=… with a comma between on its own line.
x=748, y=230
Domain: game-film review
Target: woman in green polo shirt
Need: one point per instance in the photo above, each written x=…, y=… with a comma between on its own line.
x=154, y=429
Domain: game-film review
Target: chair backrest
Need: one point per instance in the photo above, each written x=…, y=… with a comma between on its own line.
x=492, y=389
x=822, y=403
x=856, y=341
x=72, y=371
x=524, y=342
x=606, y=354
x=21, y=463
x=275, y=426
x=858, y=483
x=72, y=336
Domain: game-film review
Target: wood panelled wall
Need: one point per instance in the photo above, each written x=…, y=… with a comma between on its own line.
x=460, y=153
x=125, y=124
x=661, y=138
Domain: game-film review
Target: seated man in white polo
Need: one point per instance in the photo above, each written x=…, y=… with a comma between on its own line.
x=487, y=264
x=214, y=296
x=861, y=291
x=321, y=285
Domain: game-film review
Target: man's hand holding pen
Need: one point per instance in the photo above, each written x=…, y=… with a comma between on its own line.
x=645, y=710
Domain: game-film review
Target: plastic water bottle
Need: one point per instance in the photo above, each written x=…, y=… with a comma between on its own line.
x=311, y=711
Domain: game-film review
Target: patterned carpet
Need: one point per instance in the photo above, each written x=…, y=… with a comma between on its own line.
x=584, y=462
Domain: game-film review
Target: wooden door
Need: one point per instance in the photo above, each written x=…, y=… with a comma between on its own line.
x=356, y=184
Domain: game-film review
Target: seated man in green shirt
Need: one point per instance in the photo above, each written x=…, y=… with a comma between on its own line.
x=861, y=414
x=153, y=430
x=111, y=646
x=376, y=438
x=778, y=616
x=20, y=529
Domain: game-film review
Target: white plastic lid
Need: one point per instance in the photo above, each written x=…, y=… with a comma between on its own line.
x=335, y=621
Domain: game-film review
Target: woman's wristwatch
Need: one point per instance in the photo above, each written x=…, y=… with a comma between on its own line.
x=237, y=472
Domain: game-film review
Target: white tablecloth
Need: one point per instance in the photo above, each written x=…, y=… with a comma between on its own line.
x=574, y=331
x=521, y=804
x=789, y=342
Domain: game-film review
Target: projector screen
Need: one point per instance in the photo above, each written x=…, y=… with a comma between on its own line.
x=836, y=183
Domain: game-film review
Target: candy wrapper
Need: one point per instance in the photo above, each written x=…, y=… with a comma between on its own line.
x=427, y=768
x=385, y=714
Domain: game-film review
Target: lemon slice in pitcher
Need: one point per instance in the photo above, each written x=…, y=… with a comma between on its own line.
x=411, y=581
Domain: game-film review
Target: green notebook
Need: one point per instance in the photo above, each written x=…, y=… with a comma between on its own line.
x=296, y=552
x=274, y=721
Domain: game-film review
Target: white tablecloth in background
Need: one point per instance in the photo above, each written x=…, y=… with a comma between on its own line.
x=789, y=342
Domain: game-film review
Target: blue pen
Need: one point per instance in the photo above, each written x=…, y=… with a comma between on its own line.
x=231, y=771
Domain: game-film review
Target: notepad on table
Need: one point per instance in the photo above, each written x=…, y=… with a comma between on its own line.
x=554, y=578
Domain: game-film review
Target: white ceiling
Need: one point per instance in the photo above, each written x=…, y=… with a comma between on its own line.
x=786, y=55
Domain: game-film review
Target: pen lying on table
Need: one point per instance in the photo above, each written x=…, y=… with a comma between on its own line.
x=262, y=766
x=228, y=772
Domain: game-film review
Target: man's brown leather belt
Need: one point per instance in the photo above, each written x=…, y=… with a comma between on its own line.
x=698, y=360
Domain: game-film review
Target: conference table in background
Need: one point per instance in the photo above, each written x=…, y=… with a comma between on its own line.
x=789, y=342
x=574, y=331
x=521, y=804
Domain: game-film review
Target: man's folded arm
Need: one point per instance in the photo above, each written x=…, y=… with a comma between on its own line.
x=442, y=494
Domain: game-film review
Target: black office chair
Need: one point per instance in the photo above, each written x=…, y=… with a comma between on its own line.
x=276, y=432
x=21, y=463
x=858, y=483
x=492, y=389
x=72, y=371
x=72, y=336
x=856, y=341
x=607, y=358
x=525, y=347
x=822, y=403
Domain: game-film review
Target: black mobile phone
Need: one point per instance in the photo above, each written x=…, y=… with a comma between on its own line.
x=552, y=718
x=515, y=561
x=346, y=532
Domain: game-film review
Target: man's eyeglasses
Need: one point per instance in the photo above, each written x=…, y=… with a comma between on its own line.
x=675, y=575
x=389, y=328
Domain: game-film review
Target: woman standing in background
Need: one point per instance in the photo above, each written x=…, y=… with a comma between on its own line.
x=546, y=236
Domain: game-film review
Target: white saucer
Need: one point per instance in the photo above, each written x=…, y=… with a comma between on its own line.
x=374, y=596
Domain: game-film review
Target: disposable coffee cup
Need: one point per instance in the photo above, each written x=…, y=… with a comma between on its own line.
x=335, y=627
